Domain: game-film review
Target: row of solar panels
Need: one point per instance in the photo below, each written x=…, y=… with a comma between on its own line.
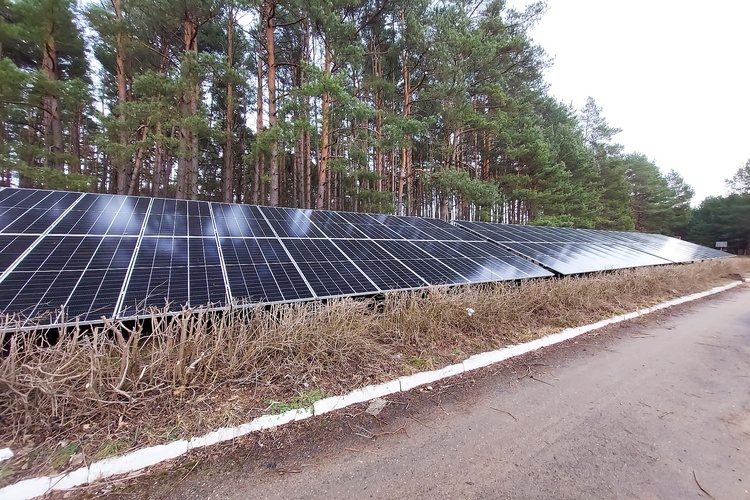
x=72, y=257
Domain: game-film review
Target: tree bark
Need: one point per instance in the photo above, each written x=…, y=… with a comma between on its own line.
x=187, y=167
x=227, y=177
x=405, y=170
x=322, y=200
x=51, y=107
x=124, y=167
x=138, y=163
x=257, y=173
x=270, y=34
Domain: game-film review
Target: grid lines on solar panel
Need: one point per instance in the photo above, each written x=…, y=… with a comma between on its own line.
x=423, y=264
x=240, y=221
x=383, y=269
x=159, y=277
x=403, y=227
x=370, y=227
x=98, y=288
x=327, y=270
x=31, y=211
x=335, y=226
x=41, y=284
x=485, y=261
x=672, y=249
x=442, y=230
x=99, y=214
x=172, y=272
x=576, y=258
x=167, y=217
x=291, y=223
x=12, y=247
x=259, y=270
x=206, y=280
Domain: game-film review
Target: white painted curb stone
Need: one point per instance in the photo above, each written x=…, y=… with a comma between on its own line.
x=146, y=457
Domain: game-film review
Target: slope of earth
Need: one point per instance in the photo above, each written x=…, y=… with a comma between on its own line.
x=658, y=408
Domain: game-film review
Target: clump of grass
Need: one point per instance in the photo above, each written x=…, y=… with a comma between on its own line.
x=303, y=400
x=62, y=455
x=119, y=385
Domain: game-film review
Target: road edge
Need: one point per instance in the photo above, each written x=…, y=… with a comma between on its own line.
x=152, y=455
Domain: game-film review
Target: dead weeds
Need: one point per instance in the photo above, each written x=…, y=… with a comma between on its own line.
x=93, y=394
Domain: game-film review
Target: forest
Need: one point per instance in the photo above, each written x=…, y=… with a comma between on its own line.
x=427, y=108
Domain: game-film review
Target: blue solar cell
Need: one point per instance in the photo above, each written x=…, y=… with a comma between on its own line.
x=334, y=225
x=259, y=270
x=291, y=223
x=240, y=221
x=329, y=272
x=35, y=211
x=12, y=247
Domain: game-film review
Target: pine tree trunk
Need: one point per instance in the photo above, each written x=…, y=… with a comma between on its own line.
x=257, y=173
x=270, y=34
x=187, y=169
x=379, y=107
x=227, y=177
x=321, y=200
x=138, y=163
x=75, y=141
x=51, y=106
x=124, y=167
x=308, y=164
x=159, y=177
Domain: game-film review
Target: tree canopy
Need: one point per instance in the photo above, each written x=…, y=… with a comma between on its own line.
x=418, y=108
x=725, y=218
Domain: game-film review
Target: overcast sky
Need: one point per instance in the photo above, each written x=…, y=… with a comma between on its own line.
x=673, y=75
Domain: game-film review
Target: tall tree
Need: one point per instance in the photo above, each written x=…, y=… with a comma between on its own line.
x=740, y=181
x=50, y=43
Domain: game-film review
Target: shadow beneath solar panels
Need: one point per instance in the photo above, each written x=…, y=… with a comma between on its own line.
x=47, y=329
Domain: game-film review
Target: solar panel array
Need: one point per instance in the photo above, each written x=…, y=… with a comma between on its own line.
x=77, y=258
x=572, y=251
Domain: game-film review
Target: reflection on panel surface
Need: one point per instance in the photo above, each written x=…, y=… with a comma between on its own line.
x=572, y=251
x=72, y=257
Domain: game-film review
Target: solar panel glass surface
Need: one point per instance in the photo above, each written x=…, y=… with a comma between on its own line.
x=30, y=211
x=259, y=270
x=329, y=272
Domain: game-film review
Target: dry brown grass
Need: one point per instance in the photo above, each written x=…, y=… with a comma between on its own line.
x=94, y=394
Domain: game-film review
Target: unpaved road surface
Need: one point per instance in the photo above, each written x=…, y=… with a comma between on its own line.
x=658, y=408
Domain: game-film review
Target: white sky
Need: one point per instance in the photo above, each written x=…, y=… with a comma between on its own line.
x=673, y=75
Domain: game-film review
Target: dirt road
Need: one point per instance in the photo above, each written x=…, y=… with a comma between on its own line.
x=656, y=409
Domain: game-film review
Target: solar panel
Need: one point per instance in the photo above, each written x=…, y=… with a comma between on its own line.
x=240, y=221
x=104, y=215
x=490, y=263
x=333, y=225
x=71, y=257
x=403, y=227
x=31, y=211
x=440, y=229
x=11, y=247
x=259, y=270
x=566, y=250
x=329, y=272
x=423, y=264
x=40, y=285
x=99, y=286
x=382, y=268
x=370, y=227
x=671, y=249
x=291, y=223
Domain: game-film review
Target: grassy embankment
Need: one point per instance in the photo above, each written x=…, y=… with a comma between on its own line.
x=105, y=392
